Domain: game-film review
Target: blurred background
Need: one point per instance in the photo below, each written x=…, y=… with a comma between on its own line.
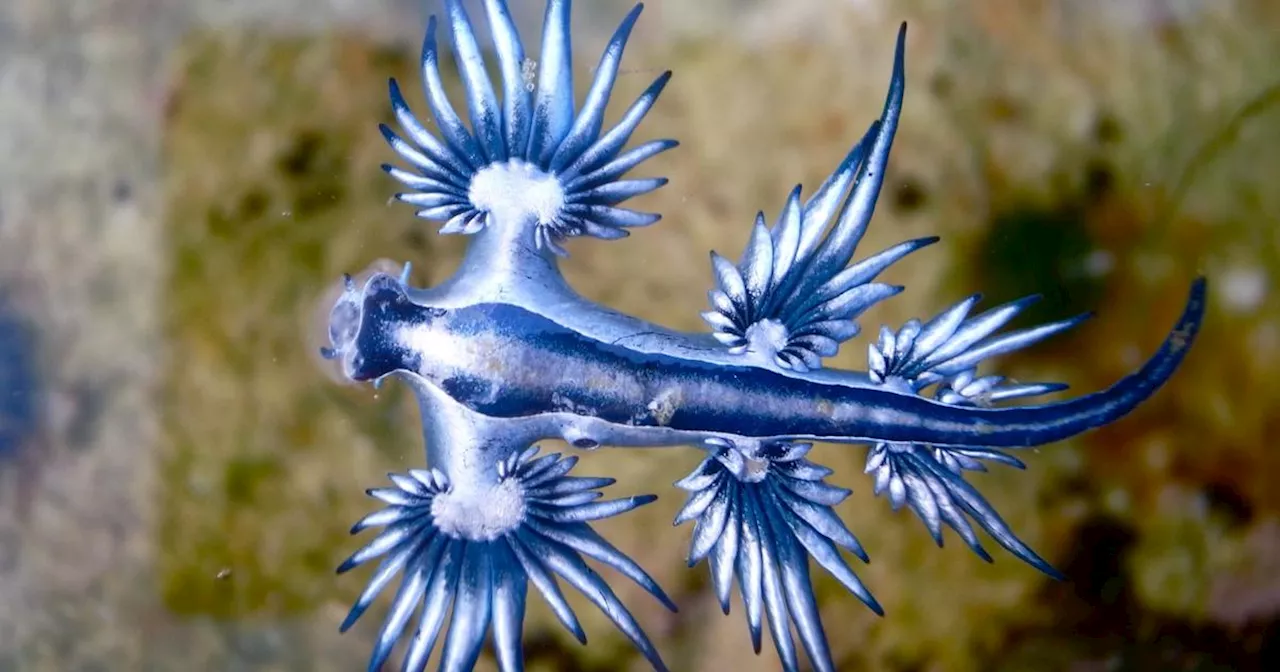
x=182, y=182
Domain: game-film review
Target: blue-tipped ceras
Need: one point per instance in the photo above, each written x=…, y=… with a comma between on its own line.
x=505, y=353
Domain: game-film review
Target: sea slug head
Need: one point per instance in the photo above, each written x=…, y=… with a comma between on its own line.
x=366, y=324
x=344, y=320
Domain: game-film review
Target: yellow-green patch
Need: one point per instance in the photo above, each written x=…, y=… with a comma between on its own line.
x=273, y=190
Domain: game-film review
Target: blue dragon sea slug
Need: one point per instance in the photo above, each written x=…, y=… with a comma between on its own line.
x=505, y=353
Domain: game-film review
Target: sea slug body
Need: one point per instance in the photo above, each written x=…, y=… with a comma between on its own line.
x=505, y=354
